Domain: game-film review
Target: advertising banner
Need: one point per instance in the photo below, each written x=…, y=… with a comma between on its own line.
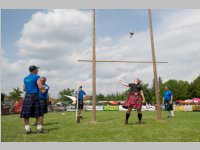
x=196, y=107
x=121, y=108
x=91, y=107
x=188, y=108
x=179, y=108
x=111, y=108
x=70, y=108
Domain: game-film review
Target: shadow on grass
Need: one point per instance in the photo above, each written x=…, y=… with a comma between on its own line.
x=52, y=129
x=46, y=131
x=52, y=123
x=137, y=123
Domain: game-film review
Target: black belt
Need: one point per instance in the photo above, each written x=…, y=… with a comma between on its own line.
x=31, y=94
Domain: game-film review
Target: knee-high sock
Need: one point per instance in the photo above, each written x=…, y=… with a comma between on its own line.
x=139, y=116
x=169, y=113
x=172, y=113
x=127, y=115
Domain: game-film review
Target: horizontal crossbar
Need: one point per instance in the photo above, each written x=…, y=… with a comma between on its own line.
x=121, y=61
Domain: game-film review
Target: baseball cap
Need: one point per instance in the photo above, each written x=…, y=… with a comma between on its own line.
x=32, y=68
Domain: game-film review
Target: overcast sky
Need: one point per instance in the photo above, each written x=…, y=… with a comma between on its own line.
x=55, y=39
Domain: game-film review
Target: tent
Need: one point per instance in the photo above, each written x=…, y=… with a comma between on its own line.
x=113, y=102
x=180, y=101
x=196, y=100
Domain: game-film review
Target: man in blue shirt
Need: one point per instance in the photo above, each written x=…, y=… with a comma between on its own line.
x=43, y=96
x=31, y=105
x=80, y=95
x=168, y=101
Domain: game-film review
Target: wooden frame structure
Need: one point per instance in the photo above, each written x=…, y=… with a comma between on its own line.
x=94, y=61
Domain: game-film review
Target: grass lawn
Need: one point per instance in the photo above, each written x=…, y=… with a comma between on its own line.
x=185, y=127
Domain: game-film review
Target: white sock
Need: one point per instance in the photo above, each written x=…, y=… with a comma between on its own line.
x=27, y=127
x=169, y=113
x=39, y=127
x=172, y=113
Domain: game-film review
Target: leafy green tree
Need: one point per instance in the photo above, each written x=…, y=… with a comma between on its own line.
x=195, y=87
x=15, y=94
x=179, y=88
x=100, y=97
x=147, y=93
x=62, y=98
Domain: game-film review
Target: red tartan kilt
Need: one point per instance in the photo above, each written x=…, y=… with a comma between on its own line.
x=133, y=101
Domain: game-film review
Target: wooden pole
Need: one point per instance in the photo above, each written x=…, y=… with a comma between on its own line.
x=121, y=61
x=154, y=66
x=94, y=68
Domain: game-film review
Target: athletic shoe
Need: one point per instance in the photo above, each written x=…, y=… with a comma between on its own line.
x=29, y=132
x=42, y=131
x=126, y=121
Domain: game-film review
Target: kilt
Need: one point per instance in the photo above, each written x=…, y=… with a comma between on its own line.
x=31, y=107
x=44, y=105
x=80, y=104
x=168, y=106
x=135, y=100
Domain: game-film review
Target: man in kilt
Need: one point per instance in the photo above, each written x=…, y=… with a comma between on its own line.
x=168, y=101
x=43, y=96
x=135, y=100
x=31, y=106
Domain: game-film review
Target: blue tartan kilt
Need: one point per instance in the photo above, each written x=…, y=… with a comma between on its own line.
x=168, y=106
x=44, y=105
x=31, y=107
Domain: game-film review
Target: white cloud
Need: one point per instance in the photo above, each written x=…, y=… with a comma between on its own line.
x=55, y=40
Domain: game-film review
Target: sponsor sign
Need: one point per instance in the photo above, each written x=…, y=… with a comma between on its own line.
x=71, y=108
x=111, y=108
x=91, y=108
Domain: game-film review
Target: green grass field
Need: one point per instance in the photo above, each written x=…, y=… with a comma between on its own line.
x=185, y=127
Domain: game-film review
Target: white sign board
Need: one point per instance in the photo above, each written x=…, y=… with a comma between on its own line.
x=91, y=107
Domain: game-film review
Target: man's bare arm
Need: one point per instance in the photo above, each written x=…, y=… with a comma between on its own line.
x=24, y=88
x=171, y=100
x=40, y=86
x=143, y=97
x=123, y=83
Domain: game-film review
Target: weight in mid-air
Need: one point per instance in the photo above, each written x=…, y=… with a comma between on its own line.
x=131, y=34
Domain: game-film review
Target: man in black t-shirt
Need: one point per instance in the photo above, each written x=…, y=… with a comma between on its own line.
x=135, y=100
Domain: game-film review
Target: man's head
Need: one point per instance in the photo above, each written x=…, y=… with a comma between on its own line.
x=43, y=79
x=166, y=88
x=80, y=87
x=34, y=69
x=136, y=81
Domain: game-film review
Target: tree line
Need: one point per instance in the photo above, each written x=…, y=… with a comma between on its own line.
x=181, y=90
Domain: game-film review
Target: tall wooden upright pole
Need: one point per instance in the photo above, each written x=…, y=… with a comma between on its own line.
x=154, y=66
x=94, y=67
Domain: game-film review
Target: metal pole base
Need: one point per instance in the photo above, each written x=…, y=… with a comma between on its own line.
x=78, y=120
